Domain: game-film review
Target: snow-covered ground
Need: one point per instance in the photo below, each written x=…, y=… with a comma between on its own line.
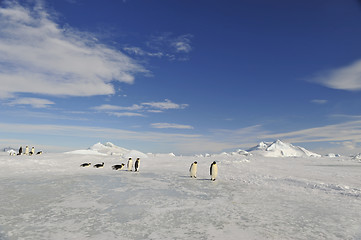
x=49, y=196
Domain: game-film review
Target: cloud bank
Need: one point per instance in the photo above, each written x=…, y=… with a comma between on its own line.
x=39, y=56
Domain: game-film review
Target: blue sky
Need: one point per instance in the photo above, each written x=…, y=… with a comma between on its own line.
x=180, y=76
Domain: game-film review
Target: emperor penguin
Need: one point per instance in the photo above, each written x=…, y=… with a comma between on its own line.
x=99, y=165
x=26, y=150
x=136, y=165
x=130, y=164
x=32, y=150
x=214, y=171
x=193, y=170
x=20, y=151
x=85, y=164
x=118, y=166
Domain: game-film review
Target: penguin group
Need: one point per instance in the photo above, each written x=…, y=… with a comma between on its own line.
x=117, y=166
x=213, y=171
x=136, y=165
x=28, y=152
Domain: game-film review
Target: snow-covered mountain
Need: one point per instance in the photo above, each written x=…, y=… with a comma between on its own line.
x=110, y=149
x=281, y=149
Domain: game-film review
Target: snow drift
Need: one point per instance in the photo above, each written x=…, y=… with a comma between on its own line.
x=110, y=149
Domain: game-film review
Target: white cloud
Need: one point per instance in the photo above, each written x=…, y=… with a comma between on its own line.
x=167, y=104
x=319, y=101
x=344, y=78
x=39, y=56
x=182, y=43
x=125, y=114
x=140, y=52
x=152, y=107
x=169, y=46
x=171, y=125
x=107, y=107
x=34, y=102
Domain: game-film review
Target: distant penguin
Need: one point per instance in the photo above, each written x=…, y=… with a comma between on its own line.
x=99, y=165
x=85, y=164
x=39, y=153
x=118, y=166
x=214, y=171
x=130, y=164
x=20, y=151
x=26, y=150
x=136, y=165
x=32, y=151
x=193, y=170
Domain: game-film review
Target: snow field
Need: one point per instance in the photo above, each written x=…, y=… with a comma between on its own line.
x=51, y=197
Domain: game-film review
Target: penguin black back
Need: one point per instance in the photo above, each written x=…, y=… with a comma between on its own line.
x=136, y=166
x=85, y=164
x=99, y=165
x=118, y=166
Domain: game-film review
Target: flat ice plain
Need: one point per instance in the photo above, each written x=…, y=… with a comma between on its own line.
x=49, y=196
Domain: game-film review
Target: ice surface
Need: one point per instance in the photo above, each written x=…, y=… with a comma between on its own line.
x=50, y=197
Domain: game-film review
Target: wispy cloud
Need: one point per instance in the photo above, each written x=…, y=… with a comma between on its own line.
x=125, y=114
x=167, y=104
x=138, y=109
x=140, y=52
x=182, y=43
x=171, y=125
x=319, y=101
x=34, y=102
x=343, y=132
x=108, y=107
x=164, y=45
x=39, y=56
x=344, y=78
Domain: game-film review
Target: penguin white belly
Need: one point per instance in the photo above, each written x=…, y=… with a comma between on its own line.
x=130, y=165
x=193, y=170
x=214, y=172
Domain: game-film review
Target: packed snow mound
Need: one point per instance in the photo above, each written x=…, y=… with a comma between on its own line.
x=87, y=152
x=161, y=154
x=110, y=149
x=281, y=149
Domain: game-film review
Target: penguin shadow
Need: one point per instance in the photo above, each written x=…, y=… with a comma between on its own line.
x=196, y=179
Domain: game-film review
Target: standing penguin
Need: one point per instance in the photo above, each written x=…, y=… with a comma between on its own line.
x=32, y=150
x=193, y=170
x=26, y=150
x=20, y=151
x=214, y=171
x=136, y=165
x=130, y=164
